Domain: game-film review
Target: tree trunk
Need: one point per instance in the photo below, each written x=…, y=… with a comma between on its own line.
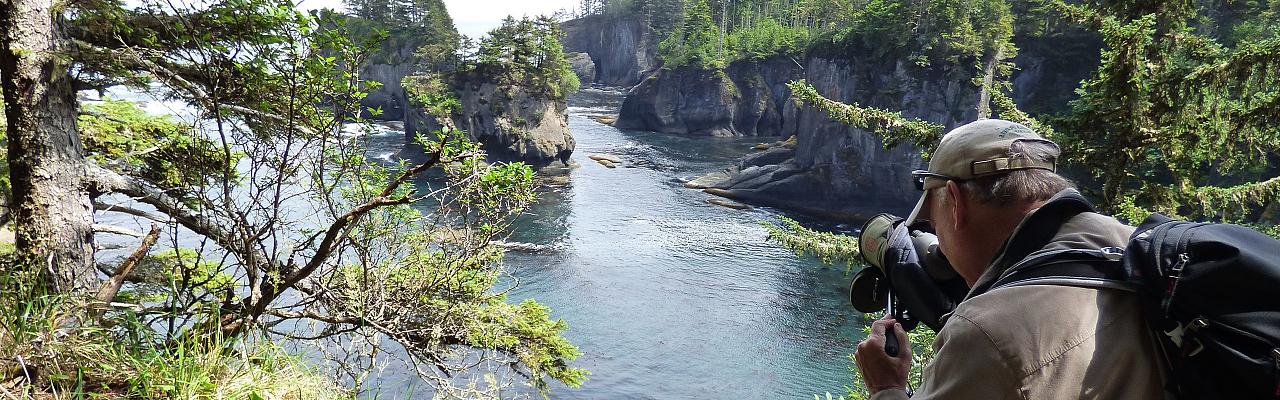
x=51, y=206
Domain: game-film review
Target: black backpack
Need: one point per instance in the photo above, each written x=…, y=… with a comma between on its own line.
x=1211, y=293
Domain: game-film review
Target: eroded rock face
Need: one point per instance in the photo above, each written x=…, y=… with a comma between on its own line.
x=832, y=169
x=621, y=47
x=582, y=66
x=388, y=69
x=746, y=99
x=512, y=123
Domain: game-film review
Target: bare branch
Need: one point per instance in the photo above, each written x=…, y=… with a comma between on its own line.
x=340, y=225
x=104, y=228
x=112, y=286
x=100, y=206
x=103, y=180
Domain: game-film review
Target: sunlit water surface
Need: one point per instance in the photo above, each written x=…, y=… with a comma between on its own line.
x=666, y=295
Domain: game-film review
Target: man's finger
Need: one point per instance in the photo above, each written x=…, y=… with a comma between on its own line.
x=879, y=327
x=903, y=341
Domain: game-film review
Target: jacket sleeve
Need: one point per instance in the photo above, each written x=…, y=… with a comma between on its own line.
x=967, y=365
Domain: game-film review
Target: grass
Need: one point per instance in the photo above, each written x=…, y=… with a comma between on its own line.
x=46, y=354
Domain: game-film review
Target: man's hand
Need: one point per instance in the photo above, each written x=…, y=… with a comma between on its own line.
x=878, y=370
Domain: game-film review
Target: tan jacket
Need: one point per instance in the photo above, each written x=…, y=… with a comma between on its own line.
x=1046, y=342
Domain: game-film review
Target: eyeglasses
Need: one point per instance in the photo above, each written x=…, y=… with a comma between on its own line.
x=918, y=176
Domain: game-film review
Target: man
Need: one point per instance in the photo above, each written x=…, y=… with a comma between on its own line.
x=982, y=192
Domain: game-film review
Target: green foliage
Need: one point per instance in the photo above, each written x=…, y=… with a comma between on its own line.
x=830, y=248
x=432, y=94
x=935, y=31
x=921, y=355
x=527, y=53
x=1174, y=120
x=695, y=41
x=292, y=223
x=1171, y=113
x=710, y=34
x=156, y=148
x=528, y=327
x=56, y=357
x=444, y=275
x=892, y=127
x=767, y=39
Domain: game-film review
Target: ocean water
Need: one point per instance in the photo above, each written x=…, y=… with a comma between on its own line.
x=668, y=296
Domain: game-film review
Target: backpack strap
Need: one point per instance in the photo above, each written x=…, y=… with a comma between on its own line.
x=1097, y=269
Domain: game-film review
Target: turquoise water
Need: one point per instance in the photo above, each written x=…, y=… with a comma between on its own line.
x=670, y=297
x=667, y=296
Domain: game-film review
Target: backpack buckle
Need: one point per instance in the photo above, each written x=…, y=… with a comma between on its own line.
x=1197, y=346
x=1112, y=253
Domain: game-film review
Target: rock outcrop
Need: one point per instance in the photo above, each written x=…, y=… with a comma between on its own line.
x=391, y=66
x=746, y=99
x=582, y=66
x=831, y=169
x=511, y=122
x=622, y=48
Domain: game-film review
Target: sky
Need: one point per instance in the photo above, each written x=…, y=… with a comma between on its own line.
x=476, y=17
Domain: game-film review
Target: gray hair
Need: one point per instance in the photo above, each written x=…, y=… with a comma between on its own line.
x=1023, y=185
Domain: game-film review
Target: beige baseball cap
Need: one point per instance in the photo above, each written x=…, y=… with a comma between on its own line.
x=977, y=149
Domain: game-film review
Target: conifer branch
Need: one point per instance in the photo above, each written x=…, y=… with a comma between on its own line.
x=893, y=128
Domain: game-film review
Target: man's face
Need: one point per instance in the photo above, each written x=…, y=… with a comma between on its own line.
x=939, y=216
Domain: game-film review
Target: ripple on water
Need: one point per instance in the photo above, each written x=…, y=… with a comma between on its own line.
x=670, y=297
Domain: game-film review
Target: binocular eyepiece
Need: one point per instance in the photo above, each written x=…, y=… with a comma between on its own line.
x=907, y=274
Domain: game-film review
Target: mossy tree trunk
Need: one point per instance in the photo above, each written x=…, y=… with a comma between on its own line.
x=52, y=212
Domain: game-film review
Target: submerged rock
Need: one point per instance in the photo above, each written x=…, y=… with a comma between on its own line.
x=606, y=157
x=729, y=203
x=606, y=119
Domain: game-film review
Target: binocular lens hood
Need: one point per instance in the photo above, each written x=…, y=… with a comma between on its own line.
x=909, y=271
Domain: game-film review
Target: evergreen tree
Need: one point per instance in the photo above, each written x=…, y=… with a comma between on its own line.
x=694, y=42
x=1174, y=120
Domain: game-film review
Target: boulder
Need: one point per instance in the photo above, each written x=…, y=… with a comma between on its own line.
x=511, y=122
x=606, y=157
x=582, y=66
x=729, y=204
x=826, y=168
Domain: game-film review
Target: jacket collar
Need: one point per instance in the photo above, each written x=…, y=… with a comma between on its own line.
x=1035, y=231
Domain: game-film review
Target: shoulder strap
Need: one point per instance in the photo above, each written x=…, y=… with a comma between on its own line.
x=1097, y=273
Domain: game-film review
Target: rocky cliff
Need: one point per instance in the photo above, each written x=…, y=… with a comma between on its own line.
x=622, y=47
x=511, y=122
x=390, y=97
x=830, y=168
x=582, y=66
x=393, y=60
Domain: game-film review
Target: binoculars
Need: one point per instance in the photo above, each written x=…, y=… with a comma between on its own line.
x=907, y=274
